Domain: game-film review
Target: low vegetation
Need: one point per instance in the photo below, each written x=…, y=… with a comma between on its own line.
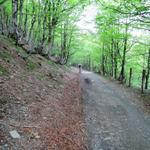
x=30, y=65
x=3, y=71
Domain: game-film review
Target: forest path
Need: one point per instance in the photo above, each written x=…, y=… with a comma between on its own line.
x=113, y=121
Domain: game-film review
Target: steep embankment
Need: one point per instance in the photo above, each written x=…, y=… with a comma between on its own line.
x=39, y=100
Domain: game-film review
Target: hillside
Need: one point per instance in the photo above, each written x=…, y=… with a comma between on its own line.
x=39, y=100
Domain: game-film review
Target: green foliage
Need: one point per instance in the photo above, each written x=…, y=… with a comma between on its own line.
x=5, y=55
x=53, y=26
x=3, y=71
x=21, y=52
x=8, y=7
x=117, y=21
x=114, y=26
x=41, y=77
x=30, y=65
x=52, y=63
x=87, y=51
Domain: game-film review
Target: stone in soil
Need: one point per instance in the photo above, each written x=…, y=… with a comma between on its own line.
x=14, y=134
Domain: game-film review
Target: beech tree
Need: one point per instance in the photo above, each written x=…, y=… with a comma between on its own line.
x=119, y=44
x=34, y=24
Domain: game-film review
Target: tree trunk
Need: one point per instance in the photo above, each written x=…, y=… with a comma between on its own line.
x=143, y=81
x=14, y=19
x=44, y=22
x=66, y=40
x=112, y=57
x=25, y=22
x=103, y=65
x=32, y=22
x=21, y=13
x=7, y=24
x=148, y=71
x=1, y=20
x=37, y=33
x=122, y=73
x=63, y=43
x=130, y=77
x=89, y=58
x=115, y=59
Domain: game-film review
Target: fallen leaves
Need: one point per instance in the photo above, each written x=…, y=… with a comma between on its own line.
x=44, y=107
x=51, y=118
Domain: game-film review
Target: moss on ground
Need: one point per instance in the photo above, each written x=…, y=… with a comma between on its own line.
x=20, y=51
x=51, y=63
x=3, y=71
x=41, y=77
x=5, y=55
x=31, y=65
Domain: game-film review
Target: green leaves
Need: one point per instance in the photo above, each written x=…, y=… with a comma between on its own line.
x=3, y=71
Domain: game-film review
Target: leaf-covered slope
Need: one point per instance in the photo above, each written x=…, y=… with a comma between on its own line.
x=40, y=100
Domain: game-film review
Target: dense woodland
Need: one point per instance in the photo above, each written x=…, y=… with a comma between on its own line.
x=41, y=26
x=119, y=49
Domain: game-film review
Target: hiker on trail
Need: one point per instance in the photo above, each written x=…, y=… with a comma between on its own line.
x=80, y=68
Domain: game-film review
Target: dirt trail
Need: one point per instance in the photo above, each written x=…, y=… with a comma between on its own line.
x=113, y=120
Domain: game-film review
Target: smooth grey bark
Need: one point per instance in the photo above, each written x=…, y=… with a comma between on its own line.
x=14, y=19
x=66, y=39
x=32, y=21
x=38, y=34
x=130, y=77
x=44, y=22
x=26, y=22
x=143, y=81
x=148, y=71
x=1, y=21
x=122, y=72
x=20, y=13
x=112, y=58
x=115, y=59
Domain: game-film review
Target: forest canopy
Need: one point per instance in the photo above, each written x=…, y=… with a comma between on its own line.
x=120, y=47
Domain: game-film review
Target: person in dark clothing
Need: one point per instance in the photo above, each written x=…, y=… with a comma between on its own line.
x=80, y=68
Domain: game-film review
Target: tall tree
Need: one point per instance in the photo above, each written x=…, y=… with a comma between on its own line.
x=14, y=19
